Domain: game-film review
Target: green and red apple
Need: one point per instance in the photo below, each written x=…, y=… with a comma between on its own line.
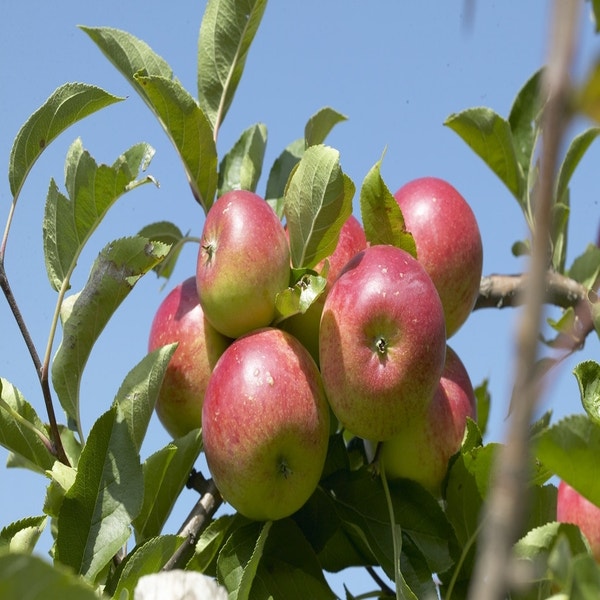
x=573, y=507
x=243, y=263
x=305, y=326
x=382, y=342
x=180, y=319
x=448, y=243
x=422, y=450
x=266, y=424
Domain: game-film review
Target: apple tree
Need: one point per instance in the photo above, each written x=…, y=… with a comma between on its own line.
x=308, y=356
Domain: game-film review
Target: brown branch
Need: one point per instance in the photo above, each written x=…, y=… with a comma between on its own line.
x=507, y=503
x=198, y=519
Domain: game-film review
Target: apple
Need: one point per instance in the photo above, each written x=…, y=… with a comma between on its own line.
x=265, y=424
x=382, y=342
x=243, y=263
x=448, y=243
x=422, y=449
x=180, y=318
x=572, y=507
x=305, y=326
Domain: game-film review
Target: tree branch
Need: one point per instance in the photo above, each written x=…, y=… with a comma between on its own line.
x=507, y=503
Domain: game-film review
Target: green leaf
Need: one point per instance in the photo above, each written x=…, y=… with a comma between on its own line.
x=139, y=391
x=317, y=203
x=209, y=545
x=320, y=124
x=21, y=536
x=61, y=480
x=489, y=136
x=241, y=167
x=586, y=267
x=239, y=558
x=570, y=449
x=588, y=96
x=165, y=474
x=167, y=233
x=559, y=233
x=85, y=314
x=95, y=516
x=226, y=32
x=288, y=567
x=483, y=398
x=280, y=173
x=21, y=430
x=190, y=131
x=299, y=297
x=588, y=379
x=68, y=104
x=381, y=215
x=29, y=577
x=145, y=559
x=69, y=222
x=524, y=120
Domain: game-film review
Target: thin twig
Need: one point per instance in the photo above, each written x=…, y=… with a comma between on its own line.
x=505, y=509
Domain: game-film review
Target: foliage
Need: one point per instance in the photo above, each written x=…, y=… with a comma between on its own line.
x=101, y=490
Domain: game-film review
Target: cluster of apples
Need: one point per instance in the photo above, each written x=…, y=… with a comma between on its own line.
x=370, y=354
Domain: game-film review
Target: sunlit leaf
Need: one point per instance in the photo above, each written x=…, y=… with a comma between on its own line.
x=381, y=214
x=298, y=298
x=586, y=267
x=22, y=536
x=588, y=96
x=139, y=391
x=226, y=32
x=30, y=577
x=20, y=429
x=587, y=374
x=320, y=124
x=85, y=314
x=61, y=480
x=570, y=449
x=167, y=233
x=280, y=173
x=209, y=545
x=68, y=104
x=165, y=474
x=489, y=136
x=318, y=201
x=190, y=131
x=482, y=395
x=96, y=514
x=92, y=189
x=241, y=167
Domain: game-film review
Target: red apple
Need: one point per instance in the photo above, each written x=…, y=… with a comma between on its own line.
x=422, y=449
x=448, y=243
x=305, y=326
x=572, y=507
x=243, y=263
x=382, y=342
x=179, y=318
x=266, y=424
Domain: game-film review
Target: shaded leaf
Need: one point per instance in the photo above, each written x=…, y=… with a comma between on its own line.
x=61, y=480
x=96, y=513
x=489, y=136
x=68, y=104
x=318, y=201
x=21, y=536
x=483, y=398
x=93, y=189
x=280, y=173
x=570, y=449
x=588, y=379
x=139, y=391
x=320, y=124
x=586, y=267
x=167, y=233
x=297, y=298
x=25, y=576
x=241, y=167
x=165, y=474
x=381, y=214
x=588, y=97
x=226, y=32
x=190, y=131
x=85, y=314
x=21, y=428
x=209, y=545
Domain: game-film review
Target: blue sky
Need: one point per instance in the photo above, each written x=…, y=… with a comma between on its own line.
x=395, y=69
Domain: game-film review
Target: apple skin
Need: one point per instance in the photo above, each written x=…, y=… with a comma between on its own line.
x=266, y=425
x=572, y=507
x=243, y=263
x=382, y=342
x=422, y=450
x=305, y=326
x=179, y=318
x=448, y=243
